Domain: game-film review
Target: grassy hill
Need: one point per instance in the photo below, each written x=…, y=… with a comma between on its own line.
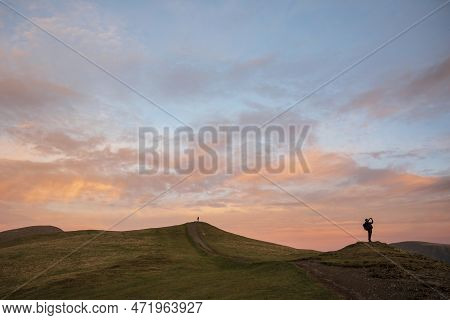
x=16, y=234
x=436, y=251
x=199, y=261
x=191, y=261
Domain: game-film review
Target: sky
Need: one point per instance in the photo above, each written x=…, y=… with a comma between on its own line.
x=379, y=144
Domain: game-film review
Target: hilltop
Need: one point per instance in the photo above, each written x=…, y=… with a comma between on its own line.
x=200, y=261
x=380, y=271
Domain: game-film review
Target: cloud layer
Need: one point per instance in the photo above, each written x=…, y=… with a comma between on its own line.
x=379, y=146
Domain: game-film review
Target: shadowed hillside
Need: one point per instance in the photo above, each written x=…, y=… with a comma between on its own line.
x=15, y=234
x=433, y=250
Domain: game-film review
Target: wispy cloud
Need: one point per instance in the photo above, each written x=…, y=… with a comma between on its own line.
x=422, y=95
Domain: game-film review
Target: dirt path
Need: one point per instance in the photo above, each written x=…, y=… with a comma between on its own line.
x=329, y=278
x=197, y=236
x=368, y=283
x=194, y=231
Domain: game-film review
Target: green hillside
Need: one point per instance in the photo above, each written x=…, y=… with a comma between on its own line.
x=191, y=261
x=199, y=261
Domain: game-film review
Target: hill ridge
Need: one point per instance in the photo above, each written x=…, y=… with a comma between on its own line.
x=19, y=233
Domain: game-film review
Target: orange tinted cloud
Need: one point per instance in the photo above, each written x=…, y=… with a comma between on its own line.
x=45, y=191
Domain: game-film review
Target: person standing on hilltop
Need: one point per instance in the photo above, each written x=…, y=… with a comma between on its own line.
x=198, y=219
x=368, y=227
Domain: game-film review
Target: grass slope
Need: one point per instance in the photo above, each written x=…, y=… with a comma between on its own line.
x=436, y=251
x=380, y=271
x=246, y=249
x=163, y=263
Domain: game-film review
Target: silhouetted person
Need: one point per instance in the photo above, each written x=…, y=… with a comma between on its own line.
x=198, y=219
x=368, y=227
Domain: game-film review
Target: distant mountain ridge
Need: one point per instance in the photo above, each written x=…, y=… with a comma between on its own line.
x=436, y=251
x=11, y=235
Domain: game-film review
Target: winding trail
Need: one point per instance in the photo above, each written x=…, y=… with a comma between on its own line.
x=194, y=231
